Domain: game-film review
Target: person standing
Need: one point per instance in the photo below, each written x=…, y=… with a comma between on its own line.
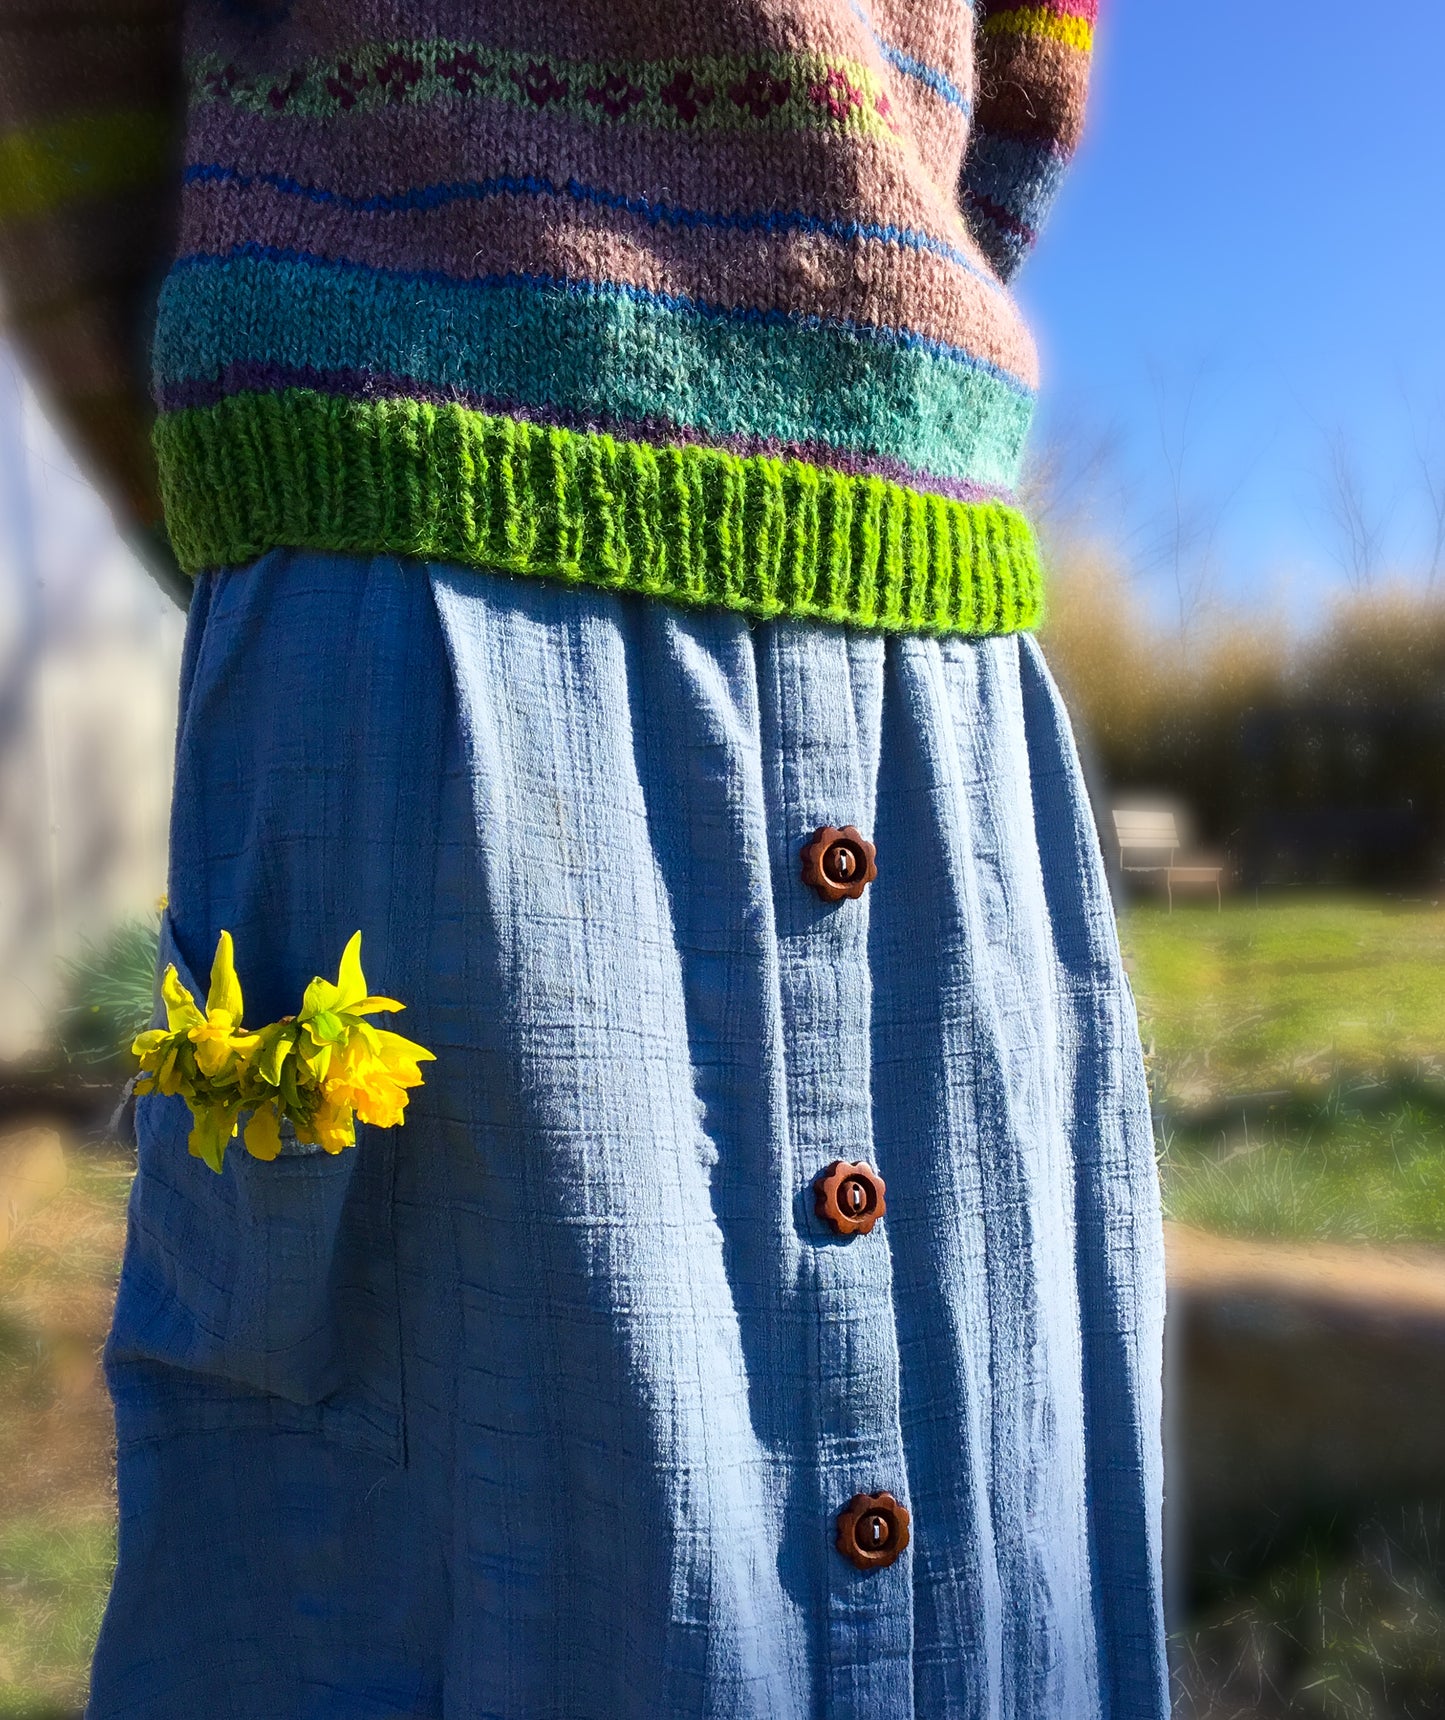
x=587, y=437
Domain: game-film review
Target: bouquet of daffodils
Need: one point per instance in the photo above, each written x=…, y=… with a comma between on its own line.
x=319, y=1070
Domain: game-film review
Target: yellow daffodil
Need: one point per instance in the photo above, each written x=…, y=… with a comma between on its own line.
x=215, y=1034
x=360, y=1081
x=331, y=1013
x=159, y=1050
x=372, y=1072
x=320, y=1070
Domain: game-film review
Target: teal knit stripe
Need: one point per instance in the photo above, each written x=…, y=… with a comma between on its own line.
x=690, y=525
x=598, y=353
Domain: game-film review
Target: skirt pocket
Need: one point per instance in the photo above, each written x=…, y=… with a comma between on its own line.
x=265, y=1296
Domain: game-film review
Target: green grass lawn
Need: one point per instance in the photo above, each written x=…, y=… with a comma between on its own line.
x=54, y=1576
x=57, y=1518
x=1297, y=1058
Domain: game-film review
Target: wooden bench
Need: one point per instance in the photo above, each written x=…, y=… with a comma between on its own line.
x=1154, y=831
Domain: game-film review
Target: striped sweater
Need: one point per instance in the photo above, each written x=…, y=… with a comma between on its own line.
x=704, y=299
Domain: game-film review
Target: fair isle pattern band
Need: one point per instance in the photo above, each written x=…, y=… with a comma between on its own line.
x=711, y=92
x=693, y=525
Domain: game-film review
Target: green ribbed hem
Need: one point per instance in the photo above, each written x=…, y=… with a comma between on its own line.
x=690, y=525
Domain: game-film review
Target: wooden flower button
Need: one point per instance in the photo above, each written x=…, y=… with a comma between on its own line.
x=872, y=1530
x=850, y=1197
x=838, y=863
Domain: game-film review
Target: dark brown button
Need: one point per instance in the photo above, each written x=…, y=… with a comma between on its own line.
x=872, y=1530
x=838, y=863
x=850, y=1197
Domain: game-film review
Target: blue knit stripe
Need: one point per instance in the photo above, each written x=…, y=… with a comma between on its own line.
x=658, y=212
x=1018, y=175
x=939, y=82
x=591, y=351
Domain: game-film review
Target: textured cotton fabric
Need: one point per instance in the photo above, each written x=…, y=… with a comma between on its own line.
x=543, y=1406
x=705, y=301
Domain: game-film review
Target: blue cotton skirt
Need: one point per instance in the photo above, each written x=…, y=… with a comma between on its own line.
x=544, y=1406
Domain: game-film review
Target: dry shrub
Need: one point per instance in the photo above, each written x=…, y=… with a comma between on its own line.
x=1112, y=666
x=1130, y=681
x=1377, y=647
x=1315, y=754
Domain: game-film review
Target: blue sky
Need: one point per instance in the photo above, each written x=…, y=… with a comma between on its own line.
x=1257, y=218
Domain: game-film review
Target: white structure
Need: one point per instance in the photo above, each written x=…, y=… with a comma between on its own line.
x=1149, y=841
x=89, y=657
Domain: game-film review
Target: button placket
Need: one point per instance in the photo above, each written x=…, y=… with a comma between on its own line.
x=829, y=768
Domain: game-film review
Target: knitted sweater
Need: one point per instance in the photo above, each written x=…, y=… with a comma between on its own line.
x=705, y=299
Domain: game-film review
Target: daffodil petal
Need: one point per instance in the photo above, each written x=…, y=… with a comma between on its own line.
x=401, y=1057
x=333, y=1128
x=350, y=980
x=399, y=1043
x=319, y=995
x=225, y=992
x=263, y=1134
x=181, y=1008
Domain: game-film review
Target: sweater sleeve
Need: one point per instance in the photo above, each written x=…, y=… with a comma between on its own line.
x=90, y=123
x=1032, y=81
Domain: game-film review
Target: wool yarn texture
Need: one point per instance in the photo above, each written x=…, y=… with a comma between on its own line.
x=706, y=302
